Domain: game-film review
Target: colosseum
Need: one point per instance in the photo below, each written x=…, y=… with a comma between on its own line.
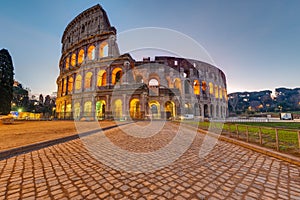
x=97, y=82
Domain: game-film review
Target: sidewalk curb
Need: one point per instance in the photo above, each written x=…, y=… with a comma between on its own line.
x=5, y=154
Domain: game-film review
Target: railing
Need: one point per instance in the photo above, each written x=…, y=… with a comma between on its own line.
x=279, y=139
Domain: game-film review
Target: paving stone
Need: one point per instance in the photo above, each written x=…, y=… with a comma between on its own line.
x=70, y=171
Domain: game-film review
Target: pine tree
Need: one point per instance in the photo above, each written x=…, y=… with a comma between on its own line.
x=6, y=81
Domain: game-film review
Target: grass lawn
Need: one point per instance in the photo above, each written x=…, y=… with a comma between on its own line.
x=287, y=133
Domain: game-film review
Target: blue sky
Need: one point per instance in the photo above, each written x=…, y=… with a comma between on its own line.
x=256, y=43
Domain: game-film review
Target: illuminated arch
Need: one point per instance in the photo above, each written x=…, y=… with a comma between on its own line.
x=196, y=87
x=211, y=88
x=68, y=111
x=116, y=75
x=91, y=52
x=216, y=91
x=80, y=56
x=170, y=109
x=153, y=82
x=78, y=82
x=204, y=86
x=103, y=50
x=73, y=59
x=70, y=85
x=87, y=109
x=100, y=109
x=220, y=93
x=154, y=109
x=77, y=110
x=134, y=108
x=177, y=84
x=88, y=80
x=67, y=64
x=117, y=108
x=64, y=86
x=101, y=78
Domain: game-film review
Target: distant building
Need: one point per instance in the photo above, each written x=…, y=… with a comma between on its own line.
x=95, y=81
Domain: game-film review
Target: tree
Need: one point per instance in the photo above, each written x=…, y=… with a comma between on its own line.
x=6, y=81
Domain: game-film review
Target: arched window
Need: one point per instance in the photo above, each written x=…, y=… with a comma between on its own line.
x=177, y=84
x=77, y=110
x=220, y=93
x=134, y=108
x=80, y=56
x=73, y=59
x=91, y=52
x=117, y=108
x=139, y=79
x=78, y=82
x=203, y=87
x=187, y=87
x=67, y=64
x=116, y=75
x=211, y=88
x=101, y=78
x=64, y=86
x=196, y=87
x=88, y=80
x=153, y=82
x=103, y=49
x=216, y=91
x=100, y=109
x=70, y=85
x=88, y=109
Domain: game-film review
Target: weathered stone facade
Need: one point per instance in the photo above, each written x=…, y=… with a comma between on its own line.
x=95, y=81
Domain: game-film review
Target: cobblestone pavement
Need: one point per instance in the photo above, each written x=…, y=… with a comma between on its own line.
x=69, y=171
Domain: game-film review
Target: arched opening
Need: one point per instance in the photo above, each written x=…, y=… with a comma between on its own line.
x=212, y=110
x=77, y=111
x=220, y=93
x=187, y=87
x=197, y=109
x=217, y=111
x=135, y=108
x=88, y=109
x=91, y=52
x=153, y=82
x=101, y=78
x=211, y=88
x=80, y=56
x=196, y=87
x=78, y=82
x=73, y=59
x=103, y=49
x=204, y=87
x=216, y=91
x=100, y=109
x=117, y=108
x=170, y=109
x=68, y=111
x=67, y=64
x=70, y=85
x=139, y=79
x=88, y=80
x=116, y=75
x=188, y=108
x=154, y=109
x=64, y=86
x=177, y=84
x=206, y=112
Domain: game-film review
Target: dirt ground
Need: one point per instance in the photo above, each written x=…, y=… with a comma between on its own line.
x=22, y=133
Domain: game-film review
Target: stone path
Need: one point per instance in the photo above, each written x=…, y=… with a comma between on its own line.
x=69, y=171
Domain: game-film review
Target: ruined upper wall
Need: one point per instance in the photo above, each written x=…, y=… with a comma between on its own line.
x=91, y=22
